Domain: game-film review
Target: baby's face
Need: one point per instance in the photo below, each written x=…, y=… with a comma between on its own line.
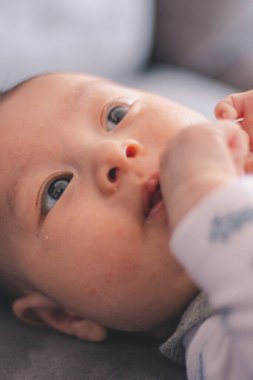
x=80, y=162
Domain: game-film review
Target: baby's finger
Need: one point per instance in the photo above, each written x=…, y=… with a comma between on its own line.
x=225, y=110
x=234, y=106
x=238, y=144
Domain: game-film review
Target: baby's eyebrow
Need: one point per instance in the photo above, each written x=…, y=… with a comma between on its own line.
x=14, y=188
x=11, y=195
x=85, y=88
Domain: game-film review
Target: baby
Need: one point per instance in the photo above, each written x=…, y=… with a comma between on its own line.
x=85, y=229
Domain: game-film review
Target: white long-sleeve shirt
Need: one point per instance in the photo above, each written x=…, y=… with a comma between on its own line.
x=214, y=242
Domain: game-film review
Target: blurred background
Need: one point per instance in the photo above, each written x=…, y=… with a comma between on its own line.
x=109, y=37
x=193, y=51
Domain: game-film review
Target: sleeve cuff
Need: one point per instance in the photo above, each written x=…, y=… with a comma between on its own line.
x=218, y=231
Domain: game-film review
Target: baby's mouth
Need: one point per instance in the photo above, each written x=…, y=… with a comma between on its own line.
x=153, y=200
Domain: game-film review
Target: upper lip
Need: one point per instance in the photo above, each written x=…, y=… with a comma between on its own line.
x=151, y=194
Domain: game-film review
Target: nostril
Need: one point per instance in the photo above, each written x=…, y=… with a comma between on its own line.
x=131, y=151
x=112, y=175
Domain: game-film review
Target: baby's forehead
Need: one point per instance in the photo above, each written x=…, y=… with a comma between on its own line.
x=46, y=92
x=67, y=84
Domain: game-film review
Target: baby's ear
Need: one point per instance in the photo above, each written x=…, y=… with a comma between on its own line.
x=37, y=309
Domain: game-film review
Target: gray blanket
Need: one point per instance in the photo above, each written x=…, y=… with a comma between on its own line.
x=29, y=353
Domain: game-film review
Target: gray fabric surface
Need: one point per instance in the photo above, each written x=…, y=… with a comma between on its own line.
x=39, y=354
x=198, y=310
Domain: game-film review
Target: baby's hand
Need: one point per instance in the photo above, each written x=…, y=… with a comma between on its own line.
x=237, y=106
x=197, y=160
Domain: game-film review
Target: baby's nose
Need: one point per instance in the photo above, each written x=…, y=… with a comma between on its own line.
x=114, y=159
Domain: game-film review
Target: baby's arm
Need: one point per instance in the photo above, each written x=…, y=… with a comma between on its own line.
x=214, y=243
x=238, y=106
x=213, y=222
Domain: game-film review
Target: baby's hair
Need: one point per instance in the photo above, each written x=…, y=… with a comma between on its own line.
x=9, y=285
x=5, y=94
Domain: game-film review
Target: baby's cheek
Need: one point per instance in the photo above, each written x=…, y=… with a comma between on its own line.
x=249, y=164
x=92, y=292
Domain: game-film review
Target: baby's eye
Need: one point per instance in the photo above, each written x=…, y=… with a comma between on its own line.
x=115, y=116
x=54, y=191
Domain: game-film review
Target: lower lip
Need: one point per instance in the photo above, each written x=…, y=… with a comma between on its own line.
x=157, y=210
